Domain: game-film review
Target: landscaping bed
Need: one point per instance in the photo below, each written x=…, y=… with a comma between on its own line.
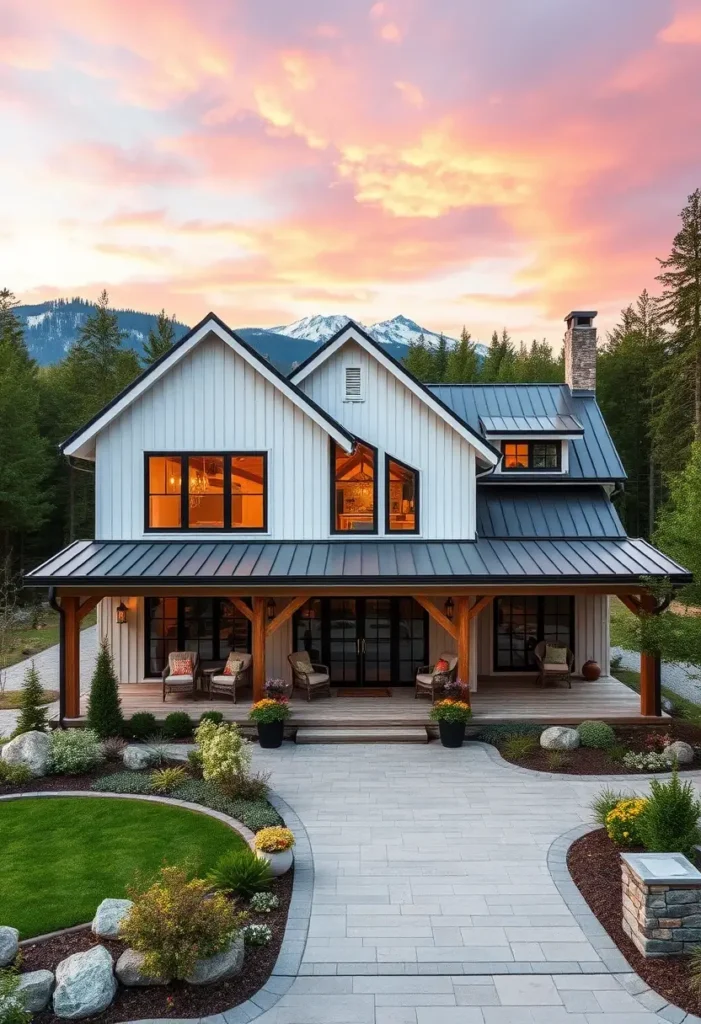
x=595, y=866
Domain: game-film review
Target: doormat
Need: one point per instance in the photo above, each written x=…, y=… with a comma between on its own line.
x=363, y=692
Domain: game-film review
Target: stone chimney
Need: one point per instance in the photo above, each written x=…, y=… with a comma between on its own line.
x=580, y=350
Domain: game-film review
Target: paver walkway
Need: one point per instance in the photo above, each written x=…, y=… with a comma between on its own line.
x=433, y=902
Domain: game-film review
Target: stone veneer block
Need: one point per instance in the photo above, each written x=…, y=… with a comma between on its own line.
x=661, y=902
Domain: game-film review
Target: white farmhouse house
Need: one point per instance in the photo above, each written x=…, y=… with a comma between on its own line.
x=353, y=516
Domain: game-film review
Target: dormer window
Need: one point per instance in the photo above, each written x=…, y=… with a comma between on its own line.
x=532, y=456
x=353, y=384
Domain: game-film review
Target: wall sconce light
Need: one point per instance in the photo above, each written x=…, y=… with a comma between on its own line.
x=449, y=609
x=121, y=613
x=271, y=609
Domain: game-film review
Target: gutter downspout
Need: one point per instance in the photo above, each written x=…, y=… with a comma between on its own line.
x=62, y=655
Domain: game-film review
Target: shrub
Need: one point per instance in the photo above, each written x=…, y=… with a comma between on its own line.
x=104, y=706
x=166, y=779
x=519, y=747
x=13, y=1008
x=451, y=711
x=256, y=815
x=15, y=774
x=623, y=822
x=239, y=871
x=178, y=921
x=268, y=710
x=275, y=840
x=671, y=820
x=616, y=753
x=657, y=741
x=178, y=725
x=122, y=782
x=257, y=934
x=113, y=748
x=264, y=902
x=212, y=716
x=596, y=735
x=498, y=734
x=194, y=759
x=695, y=970
x=226, y=755
x=141, y=725
x=74, y=751
x=650, y=762
x=605, y=802
x=32, y=716
x=249, y=787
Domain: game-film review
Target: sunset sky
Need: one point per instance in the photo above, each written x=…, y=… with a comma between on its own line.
x=460, y=162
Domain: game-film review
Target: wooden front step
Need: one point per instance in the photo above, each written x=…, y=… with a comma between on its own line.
x=362, y=735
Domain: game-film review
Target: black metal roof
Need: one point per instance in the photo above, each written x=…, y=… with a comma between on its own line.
x=575, y=512
x=558, y=423
x=144, y=563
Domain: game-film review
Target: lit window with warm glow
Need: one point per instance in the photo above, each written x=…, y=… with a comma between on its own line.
x=515, y=456
x=402, y=498
x=354, y=492
x=164, y=485
x=205, y=492
x=248, y=492
x=532, y=456
x=222, y=491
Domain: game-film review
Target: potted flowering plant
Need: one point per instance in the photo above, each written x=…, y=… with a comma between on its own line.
x=275, y=845
x=269, y=715
x=452, y=717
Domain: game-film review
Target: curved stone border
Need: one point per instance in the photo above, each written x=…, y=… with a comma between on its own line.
x=294, y=940
x=613, y=961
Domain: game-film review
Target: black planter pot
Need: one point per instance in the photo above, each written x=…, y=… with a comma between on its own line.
x=270, y=734
x=452, y=733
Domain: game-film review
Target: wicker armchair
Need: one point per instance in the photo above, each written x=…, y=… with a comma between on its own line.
x=220, y=683
x=183, y=683
x=551, y=671
x=309, y=676
x=432, y=682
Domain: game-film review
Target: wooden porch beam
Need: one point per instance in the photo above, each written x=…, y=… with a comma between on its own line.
x=436, y=614
x=241, y=607
x=287, y=612
x=480, y=605
x=258, y=647
x=88, y=605
x=71, y=655
x=631, y=603
x=463, y=617
x=440, y=591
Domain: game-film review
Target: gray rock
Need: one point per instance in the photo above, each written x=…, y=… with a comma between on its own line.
x=109, y=916
x=30, y=749
x=36, y=987
x=223, y=965
x=85, y=984
x=137, y=757
x=129, y=972
x=9, y=944
x=667, y=705
x=559, y=737
x=679, y=751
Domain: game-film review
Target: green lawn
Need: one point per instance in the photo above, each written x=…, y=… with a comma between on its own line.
x=59, y=857
x=25, y=639
x=690, y=711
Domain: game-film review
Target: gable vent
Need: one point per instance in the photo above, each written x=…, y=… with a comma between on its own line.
x=353, y=391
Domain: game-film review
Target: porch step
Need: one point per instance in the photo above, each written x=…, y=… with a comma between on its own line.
x=363, y=735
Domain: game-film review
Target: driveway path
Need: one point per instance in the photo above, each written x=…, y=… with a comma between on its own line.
x=433, y=902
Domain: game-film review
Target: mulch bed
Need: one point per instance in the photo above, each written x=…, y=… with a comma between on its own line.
x=597, y=762
x=594, y=863
x=177, y=999
x=56, y=783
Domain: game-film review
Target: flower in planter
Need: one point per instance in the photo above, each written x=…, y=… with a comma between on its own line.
x=274, y=840
x=455, y=689
x=267, y=710
x=451, y=711
x=276, y=689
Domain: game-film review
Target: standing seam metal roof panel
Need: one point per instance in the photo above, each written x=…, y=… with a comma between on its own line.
x=551, y=511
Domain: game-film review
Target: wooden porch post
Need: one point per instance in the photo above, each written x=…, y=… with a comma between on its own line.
x=650, y=663
x=463, y=617
x=71, y=655
x=258, y=647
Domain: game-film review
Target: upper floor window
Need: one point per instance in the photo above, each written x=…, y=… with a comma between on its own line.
x=532, y=456
x=402, y=497
x=207, y=492
x=354, y=489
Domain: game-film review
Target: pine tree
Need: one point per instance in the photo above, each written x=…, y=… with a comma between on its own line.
x=678, y=532
x=11, y=330
x=463, y=362
x=160, y=338
x=32, y=716
x=440, y=360
x=104, y=705
x=101, y=366
x=500, y=364
x=537, y=365
x=419, y=360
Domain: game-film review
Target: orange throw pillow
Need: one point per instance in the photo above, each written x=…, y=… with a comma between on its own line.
x=441, y=666
x=181, y=667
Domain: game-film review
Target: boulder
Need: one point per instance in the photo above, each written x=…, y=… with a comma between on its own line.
x=9, y=944
x=223, y=965
x=36, y=987
x=109, y=916
x=129, y=970
x=85, y=984
x=30, y=749
x=667, y=705
x=559, y=737
x=679, y=751
x=137, y=757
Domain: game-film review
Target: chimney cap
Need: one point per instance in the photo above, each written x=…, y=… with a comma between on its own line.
x=589, y=314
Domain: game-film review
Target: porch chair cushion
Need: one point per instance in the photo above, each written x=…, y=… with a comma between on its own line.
x=424, y=678
x=554, y=656
x=179, y=679
x=303, y=665
x=317, y=678
x=233, y=666
x=180, y=667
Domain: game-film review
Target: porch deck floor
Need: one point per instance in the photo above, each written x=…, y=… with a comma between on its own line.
x=496, y=700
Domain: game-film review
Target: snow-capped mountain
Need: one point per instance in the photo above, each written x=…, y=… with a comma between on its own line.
x=313, y=328
x=400, y=330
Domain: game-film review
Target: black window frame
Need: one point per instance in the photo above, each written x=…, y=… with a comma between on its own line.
x=531, y=443
x=332, y=493
x=417, y=494
x=180, y=620
x=540, y=618
x=184, y=527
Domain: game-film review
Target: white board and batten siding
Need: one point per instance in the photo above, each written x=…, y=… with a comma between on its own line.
x=399, y=423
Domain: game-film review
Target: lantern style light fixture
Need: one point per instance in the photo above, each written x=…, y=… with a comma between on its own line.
x=449, y=609
x=271, y=609
x=121, y=613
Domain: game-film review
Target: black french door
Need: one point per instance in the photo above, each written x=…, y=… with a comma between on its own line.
x=522, y=622
x=365, y=641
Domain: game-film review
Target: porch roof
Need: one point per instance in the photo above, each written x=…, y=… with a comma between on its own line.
x=149, y=563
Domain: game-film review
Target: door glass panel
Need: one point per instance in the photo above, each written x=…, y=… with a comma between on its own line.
x=308, y=625
x=377, y=645
x=557, y=619
x=517, y=632
x=343, y=636
x=162, y=626
x=411, y=639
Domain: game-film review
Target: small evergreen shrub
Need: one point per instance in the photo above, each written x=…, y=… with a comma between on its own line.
x=605, y=802
x=15, y=774
x=241, y=872
x=178, y=726
x=104, y=706
x=141, y=725
x=518, y=747
x=123, y=782
x=623, y=822
x=257, y=934
x=498, y=734
x=13, y=1008
x=264, y=902
x=616, y=753
x=32, y=716
x=596, y=735
x=194, y=759
x=671, y=820
x=74, y=752
x=167, y=779
x=212, y=716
